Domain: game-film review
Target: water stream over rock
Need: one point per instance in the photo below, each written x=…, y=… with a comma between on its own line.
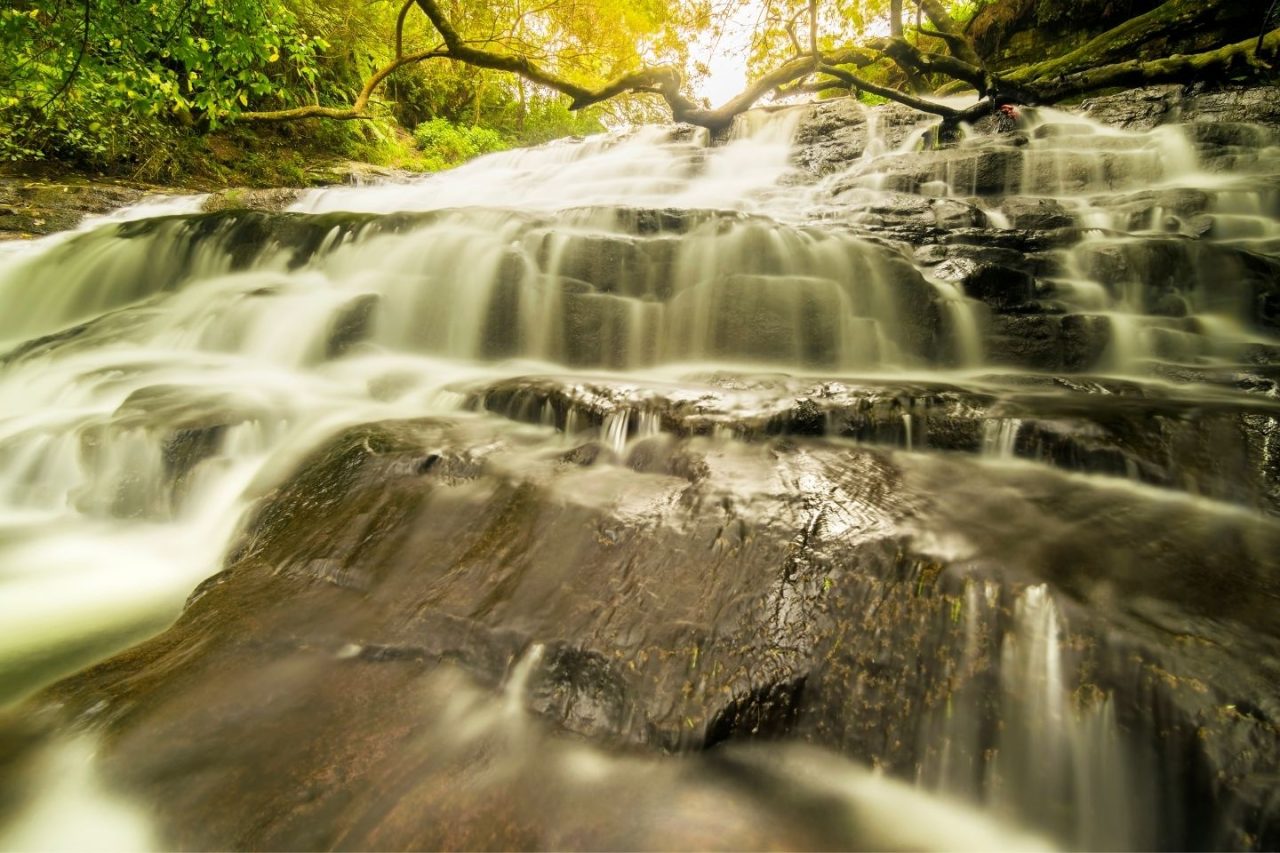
x=913, y=496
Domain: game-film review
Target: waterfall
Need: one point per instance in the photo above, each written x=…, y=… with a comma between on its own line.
x=650, y=337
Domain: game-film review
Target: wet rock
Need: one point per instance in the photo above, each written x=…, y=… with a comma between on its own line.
x=1143, y=109
x=827, y=603
x=1204, y=277
x=1112, y=427
x=244, y=235
x=637, y=267
x=999, y=285
x=762, y=318
x=272, y=200
x=1061, y=130
x=1039, y=214
x=31, y=207
x=1136, y=109
x=1139, y=211
x=831, y=136
x=1226, y=105
x=643, y=221
x=834, y=134
x=354, y=172
x=1237, y=134
x=873, y=208
x=104, y=329
x=1007, y=239
x=598, y=330
x=1083, y=171
x=1261, y=276
x=352, y=325
x=986, y=173
x=902, y=216
x=930, y=255
x=982, y=172
x=950, y=213
x=1046, y=342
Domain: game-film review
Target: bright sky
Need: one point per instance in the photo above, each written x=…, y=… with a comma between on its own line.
x=727, y=58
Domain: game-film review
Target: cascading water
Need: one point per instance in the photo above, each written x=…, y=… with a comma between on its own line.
x=999, y=371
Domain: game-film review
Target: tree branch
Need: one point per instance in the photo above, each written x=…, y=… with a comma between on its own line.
x=75, y=66
x=1238, y=58
x=951, y=39
x=856, y=82
x=1123, y=39
x=357, y=108
x=404, y=13
x=666, y=81
x=958, y=44
x=1042, y=83
x=813, y=32
x=912, y=58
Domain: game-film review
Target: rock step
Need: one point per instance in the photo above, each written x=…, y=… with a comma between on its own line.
x=1217, y=445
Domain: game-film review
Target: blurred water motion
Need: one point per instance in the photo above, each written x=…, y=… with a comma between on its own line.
x=640, y=493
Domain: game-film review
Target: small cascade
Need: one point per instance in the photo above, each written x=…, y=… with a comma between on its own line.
x=515, y=691
x=877, y=143
x=1000, y=437
x=1175, y=240
x=614, y=430
x=68, y=784
x=1049, y=753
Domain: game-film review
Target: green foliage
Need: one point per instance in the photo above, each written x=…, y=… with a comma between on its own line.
x=841, y=23
x=964, y=10
x=154, y=87
x=112, y=85
x=140, y=87
x=447, y=144
x=543, y=119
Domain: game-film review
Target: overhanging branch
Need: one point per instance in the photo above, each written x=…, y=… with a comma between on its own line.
x=854, y=81
x=357, y=108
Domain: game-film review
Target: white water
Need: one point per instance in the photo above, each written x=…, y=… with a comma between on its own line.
x=130, y=451
x=1056, y=755
x=106, y=529
x=242, y=352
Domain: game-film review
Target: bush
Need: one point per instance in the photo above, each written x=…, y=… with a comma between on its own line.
x=449, y=144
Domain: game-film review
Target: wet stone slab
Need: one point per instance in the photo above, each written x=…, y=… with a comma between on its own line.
x=699, y=594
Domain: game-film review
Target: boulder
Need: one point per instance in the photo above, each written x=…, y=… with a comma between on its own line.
x=272, y=200
x=1036, y=214
x=998, y=277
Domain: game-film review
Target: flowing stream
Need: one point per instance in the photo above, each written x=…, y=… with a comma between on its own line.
x=1008, y=408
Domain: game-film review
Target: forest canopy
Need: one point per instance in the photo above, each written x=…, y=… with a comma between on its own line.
x=131, y=82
